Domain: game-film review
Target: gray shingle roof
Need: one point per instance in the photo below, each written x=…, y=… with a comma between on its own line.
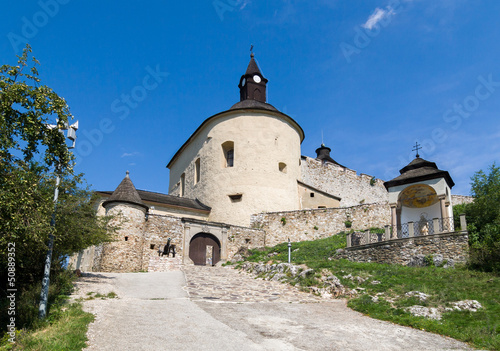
x=253, y=104
x=419, y=170
x=168, y=200
x=125, y=192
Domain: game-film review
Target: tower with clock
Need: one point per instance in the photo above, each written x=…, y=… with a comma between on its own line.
x=252, y=83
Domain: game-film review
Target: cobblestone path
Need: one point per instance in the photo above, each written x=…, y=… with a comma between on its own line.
x=232, y=285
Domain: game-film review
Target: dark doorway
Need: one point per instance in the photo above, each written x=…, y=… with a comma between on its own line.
x=204, y=249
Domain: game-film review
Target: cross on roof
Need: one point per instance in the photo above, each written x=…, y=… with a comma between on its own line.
x=416, y=148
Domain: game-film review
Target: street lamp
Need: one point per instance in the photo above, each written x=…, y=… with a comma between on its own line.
x=289, y=250
x=44, y=295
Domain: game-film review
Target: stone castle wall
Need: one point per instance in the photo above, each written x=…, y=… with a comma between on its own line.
x=409, y=251
x=353, y=189
x=244, y=238
x=461, y=199
x=157, y=230
x=319, y=223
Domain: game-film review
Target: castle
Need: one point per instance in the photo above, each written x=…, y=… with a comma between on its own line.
x=236, y=182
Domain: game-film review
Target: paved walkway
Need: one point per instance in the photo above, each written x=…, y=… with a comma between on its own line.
x=216, y=308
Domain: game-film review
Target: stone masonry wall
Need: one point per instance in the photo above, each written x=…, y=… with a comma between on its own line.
x=452, y=246
x=461, y=199
x=343, y=182
x=319, y=223
x=125, y=253
x=246, y=238
x=157, y=230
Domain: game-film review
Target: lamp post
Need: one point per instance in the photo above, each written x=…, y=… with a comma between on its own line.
x=44, y=295
x=289, y=250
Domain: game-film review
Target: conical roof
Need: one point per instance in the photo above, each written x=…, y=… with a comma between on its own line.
x=419, y=170
x=252, y=66
x=126, y=192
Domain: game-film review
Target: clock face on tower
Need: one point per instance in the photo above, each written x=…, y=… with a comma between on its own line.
x=256, y=79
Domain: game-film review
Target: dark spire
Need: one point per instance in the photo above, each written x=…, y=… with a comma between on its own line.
x=125, y=192
x=252, y=83
x=323, y=154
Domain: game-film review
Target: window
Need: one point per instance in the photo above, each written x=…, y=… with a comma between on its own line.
x=228, y=153
x=197, y=171
x=230, y=158
x=282, y=167
x=236, y=197
x=311, y=194
x=126, y=238
x=183, y=185
x=152, y=246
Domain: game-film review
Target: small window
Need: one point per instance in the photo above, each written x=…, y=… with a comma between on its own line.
x=311, y=194
x=126, y=238
x=282, y=167
x=152, y=246
x=321, y=206
x=230, y=158
x=197, y=171
x=228, y=154
x=236, y=197
x=183, y=185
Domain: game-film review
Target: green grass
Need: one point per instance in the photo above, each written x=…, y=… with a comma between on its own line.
x=302, y=252
x=481, y=328
x=64, y=330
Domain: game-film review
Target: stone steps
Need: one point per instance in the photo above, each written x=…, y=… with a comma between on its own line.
x=164, y=263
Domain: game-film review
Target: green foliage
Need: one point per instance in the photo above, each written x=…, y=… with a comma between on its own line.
x=26, y=108
x=373, y=181
x=348, y=224
x=283, y=220
x=483, y=217
x=28, y=153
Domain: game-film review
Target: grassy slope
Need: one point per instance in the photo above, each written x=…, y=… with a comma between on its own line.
x=65, y=330
x=481, y=328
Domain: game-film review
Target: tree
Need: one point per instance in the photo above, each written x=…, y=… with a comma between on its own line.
x=483, y=217
x=30, y=154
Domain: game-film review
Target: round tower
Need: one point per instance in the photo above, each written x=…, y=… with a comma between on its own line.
x=242, y=161
x=125, y=254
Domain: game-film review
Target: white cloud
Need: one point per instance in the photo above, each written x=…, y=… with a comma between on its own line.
x=377, y=16
x=130, y=154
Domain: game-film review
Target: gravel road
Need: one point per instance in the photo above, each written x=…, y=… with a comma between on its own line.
x=216, y=308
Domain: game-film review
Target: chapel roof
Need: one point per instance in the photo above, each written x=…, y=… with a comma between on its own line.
x=419, y=170
x=126, y=192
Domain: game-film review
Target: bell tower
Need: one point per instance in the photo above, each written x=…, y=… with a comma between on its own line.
x=252, y=83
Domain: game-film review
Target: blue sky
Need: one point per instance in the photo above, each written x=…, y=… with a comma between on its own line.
x=373, y=77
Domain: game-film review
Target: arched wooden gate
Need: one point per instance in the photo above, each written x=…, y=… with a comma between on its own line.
x=204, y=249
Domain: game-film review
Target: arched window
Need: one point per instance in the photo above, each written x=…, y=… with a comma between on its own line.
x=197, y=171
x=282, y=167
x=183, y=185
x=228, y=154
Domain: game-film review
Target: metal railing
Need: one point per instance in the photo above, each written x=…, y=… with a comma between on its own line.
x=405, y=230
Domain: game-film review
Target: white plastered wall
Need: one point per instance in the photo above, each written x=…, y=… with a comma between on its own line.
x=261, y=141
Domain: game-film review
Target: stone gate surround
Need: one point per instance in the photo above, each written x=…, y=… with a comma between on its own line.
x=195, y=226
